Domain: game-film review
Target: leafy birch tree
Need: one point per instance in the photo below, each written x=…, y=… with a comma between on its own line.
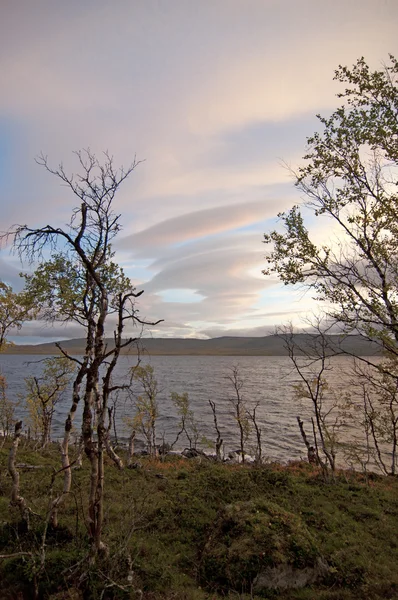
x=7, y=411
x=146, y=405
x=349, y=181
x=15, y=308
x=187, y=424
x=43, y=394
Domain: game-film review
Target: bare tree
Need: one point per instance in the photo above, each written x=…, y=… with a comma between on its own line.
x=311, y=360
x=239, y=408
x=374, y=407
x=252, y=415
x=83, y=284
x=219, y=440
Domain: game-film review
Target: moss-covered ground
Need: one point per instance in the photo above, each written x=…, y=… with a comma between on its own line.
x=183, y=529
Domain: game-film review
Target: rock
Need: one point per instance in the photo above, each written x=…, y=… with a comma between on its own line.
x=135, y=465
x=236, y=457
x=211, y=457
x=175, y=453
x=190, y=453
x=164, y=448
x=286, y=576
x=141, y=453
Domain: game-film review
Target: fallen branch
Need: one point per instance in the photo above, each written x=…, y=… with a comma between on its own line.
x=26, y=467
x=15, y=555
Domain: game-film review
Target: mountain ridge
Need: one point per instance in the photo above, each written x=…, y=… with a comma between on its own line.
x=270, y=345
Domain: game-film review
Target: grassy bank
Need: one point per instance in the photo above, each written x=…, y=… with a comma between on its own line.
x=183, y=529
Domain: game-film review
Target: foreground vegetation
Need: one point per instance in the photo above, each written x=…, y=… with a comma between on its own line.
x=185, y=529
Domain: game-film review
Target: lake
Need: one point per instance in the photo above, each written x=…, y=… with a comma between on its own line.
x=267, y=380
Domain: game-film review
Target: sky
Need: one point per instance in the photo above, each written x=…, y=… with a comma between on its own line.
x=215, y=98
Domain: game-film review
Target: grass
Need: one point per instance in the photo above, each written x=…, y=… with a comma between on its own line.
x=183, y=530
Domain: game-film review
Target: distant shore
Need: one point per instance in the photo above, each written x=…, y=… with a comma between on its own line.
x=270, y=345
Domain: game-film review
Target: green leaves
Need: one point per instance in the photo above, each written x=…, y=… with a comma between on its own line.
x=15, y=308
x=42, y=394
x=64, y=290
x=349, y=181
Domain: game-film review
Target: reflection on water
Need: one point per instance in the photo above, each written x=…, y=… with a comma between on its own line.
x=267, y=380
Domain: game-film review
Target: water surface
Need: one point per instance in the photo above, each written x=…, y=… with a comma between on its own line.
x=267, y=380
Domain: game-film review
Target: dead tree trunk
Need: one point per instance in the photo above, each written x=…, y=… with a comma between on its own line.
x=130, y=452
x=108, y=444
x=253, y=417
x=313, y=457
x=219, y=440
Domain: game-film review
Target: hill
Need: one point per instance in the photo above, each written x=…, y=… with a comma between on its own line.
x=270, y=345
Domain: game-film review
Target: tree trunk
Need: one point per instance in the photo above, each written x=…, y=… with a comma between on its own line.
x=65, y=461
x=130, y=453
x=16, y=499
x=108, y=444
x=112, y=453
x=67, y=474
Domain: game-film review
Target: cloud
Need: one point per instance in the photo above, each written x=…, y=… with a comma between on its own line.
x=197, y=224
x=48, y=331
x=217, y=269
x=213, y=95
x=9, y=273
x=275, y=77
x=260, y=331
